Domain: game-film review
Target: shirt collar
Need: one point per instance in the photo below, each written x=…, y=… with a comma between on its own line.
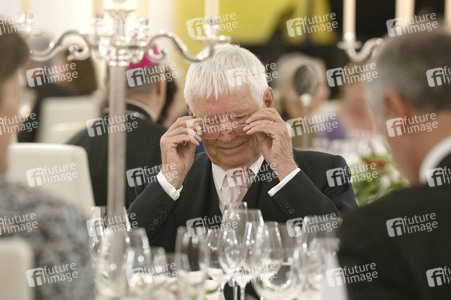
x=434, y=157
x=143, y=107
x=219, y=173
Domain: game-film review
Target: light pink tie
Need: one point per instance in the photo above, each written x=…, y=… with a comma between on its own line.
x=243, y=179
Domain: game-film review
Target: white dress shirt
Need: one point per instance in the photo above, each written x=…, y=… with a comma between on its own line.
x=219, y=175
x=434, y=157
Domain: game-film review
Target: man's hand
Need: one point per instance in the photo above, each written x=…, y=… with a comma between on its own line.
x=178, y=146
x=274, y=140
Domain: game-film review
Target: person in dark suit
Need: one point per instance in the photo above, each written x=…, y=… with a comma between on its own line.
x=406, y=235
x=143, y=106
x=231, y=110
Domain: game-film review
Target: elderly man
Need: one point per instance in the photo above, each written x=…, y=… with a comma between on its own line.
x=405, y=237
x=231, y=110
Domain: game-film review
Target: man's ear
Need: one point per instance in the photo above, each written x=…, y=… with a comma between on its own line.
x=396, y=106
x=189, y=111
x=268, y=98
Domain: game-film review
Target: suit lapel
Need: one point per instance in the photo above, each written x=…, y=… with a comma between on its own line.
x=265, y=180
x=199, y=197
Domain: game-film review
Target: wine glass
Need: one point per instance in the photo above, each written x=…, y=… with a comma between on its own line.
x=283, y=280
x=230, y=246
x=214, y=269
x=111, y=281
x=96, y=228
x=138, y=264
x=191, y=261
x=319, y=239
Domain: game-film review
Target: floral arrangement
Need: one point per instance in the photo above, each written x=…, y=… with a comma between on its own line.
x=380, y=177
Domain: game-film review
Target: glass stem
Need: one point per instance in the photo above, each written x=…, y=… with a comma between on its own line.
x=242, y=292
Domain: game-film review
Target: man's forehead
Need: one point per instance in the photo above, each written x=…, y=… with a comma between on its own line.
x=224, y=104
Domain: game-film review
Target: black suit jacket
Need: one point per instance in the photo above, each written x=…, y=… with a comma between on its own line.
x=308, y=193
x=402, y=260
x=143, y=150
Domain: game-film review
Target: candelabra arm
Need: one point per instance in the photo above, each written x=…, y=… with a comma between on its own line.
x=368, y=49
x=76, y=51
x=181, y=47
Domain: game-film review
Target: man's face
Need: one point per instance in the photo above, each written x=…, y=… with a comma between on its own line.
x=231, y=149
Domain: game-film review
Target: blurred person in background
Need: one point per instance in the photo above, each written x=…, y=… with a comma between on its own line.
x=353, y=114
x=60, y=237
x=289, y=103
x=40, y=91
x=144, y=104
x=171, y=109
x=86, y=82
x=407, y=234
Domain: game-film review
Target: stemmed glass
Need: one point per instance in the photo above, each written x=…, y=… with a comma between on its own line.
x=191, y=262
x=231, y=243
x=282, y=282
x=138, y=264
x=214, y=269
x=111, y=281
x=96, y=228
x=319, y=240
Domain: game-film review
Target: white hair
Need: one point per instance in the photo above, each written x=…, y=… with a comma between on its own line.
x=230, y=69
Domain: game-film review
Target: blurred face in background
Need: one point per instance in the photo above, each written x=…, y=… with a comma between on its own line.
x=320, y=96
x=8, y=109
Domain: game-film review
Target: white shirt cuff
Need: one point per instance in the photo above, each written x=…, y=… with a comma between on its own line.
x=284, y=181
x=169, y=188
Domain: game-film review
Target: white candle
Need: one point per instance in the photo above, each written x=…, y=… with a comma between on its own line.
x=97, y=6
x=405, y=9
x=211, y=8
x=349, y=17
x=27, y=5
x=143, y=9
x=448, y=12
